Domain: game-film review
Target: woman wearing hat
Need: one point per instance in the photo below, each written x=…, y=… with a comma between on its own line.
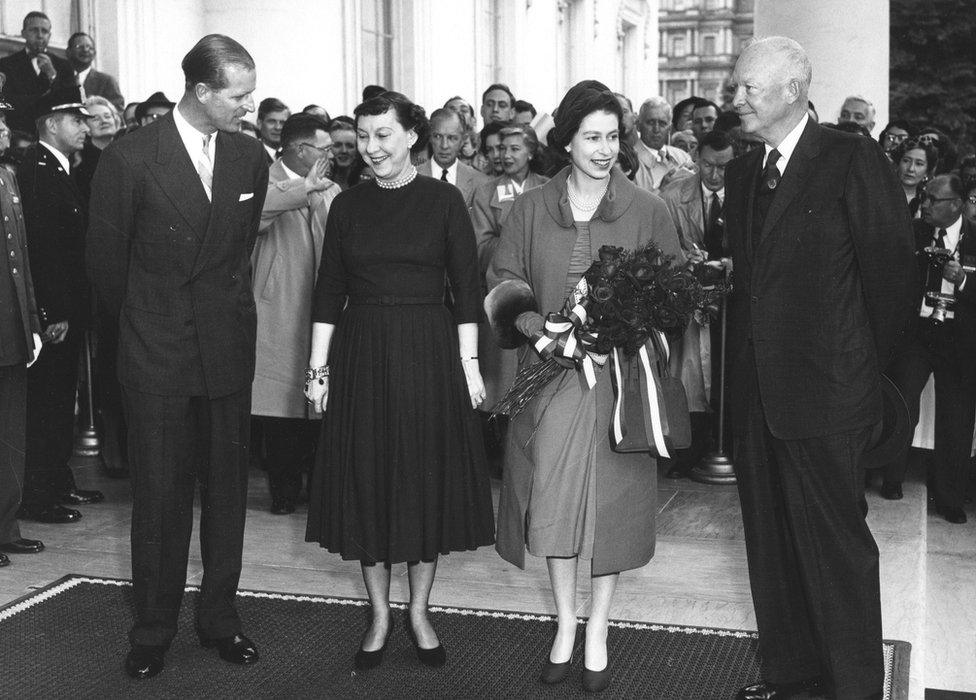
x=565, y=494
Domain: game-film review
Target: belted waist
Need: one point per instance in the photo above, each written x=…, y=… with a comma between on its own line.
x=395, y=301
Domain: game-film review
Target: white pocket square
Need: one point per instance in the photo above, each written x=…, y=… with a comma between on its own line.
x=246, y=196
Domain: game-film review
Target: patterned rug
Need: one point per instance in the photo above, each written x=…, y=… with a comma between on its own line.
x=69, y=639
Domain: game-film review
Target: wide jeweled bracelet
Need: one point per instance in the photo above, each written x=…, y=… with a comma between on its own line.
x=319, y=373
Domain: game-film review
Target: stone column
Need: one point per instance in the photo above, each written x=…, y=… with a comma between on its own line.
x=847, y=43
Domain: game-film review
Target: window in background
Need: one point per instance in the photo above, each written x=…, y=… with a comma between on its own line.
x=708, y=45
x=376, y=17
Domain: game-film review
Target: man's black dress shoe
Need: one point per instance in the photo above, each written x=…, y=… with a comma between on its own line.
x=144, y=661
x=282, y=506
x=48, y=514
x=237, y=649
x=891, y=491
x=3, y=559
x=596, y=681
x=81, y=497
x=766, y=690
x=22, y=546
x=952, y=514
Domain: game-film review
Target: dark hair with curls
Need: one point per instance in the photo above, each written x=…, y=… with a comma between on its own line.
x=489, y=130
x=913, y=144
x=581, y=100
x=409, y=115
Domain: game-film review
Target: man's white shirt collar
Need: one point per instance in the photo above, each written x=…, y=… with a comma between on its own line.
x=82, y=76
x=62, y=158
x=193, y=139
x=707, y=193
x=787, y=145
x=452, y=171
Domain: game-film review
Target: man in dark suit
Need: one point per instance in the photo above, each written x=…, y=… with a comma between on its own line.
x=174, y=215
x=32, y=72
x=823, y=284
x=945, y=348
x=20, y=343
x=81, y=54
x=55, y=215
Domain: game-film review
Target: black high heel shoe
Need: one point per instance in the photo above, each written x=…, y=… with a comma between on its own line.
x=553, y=673
x=434, y=658
x=365, y=660
x=596, y=681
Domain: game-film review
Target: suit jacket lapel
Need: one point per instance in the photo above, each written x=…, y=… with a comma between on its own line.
x=178, y=179
x=794, y=178
x=749, y=176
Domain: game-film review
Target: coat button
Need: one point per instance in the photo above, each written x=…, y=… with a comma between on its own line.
x=14, y=270
x=754, y=300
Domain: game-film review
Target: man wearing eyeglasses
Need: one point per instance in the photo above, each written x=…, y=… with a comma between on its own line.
x=945, y=349
x=285, y=263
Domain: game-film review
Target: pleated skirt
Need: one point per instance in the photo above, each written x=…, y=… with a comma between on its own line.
x=400, y=472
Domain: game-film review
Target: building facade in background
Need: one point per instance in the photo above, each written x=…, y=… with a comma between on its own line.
x=699, y=42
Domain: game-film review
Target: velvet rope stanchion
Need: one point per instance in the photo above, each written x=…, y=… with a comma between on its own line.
x=88, y=443
x=717, y=467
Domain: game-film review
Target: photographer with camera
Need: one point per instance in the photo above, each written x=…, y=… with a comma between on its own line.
x=942, y=341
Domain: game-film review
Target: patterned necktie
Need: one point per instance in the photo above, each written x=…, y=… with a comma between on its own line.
x=444, y=175
x=205, y=167
x=770, y=178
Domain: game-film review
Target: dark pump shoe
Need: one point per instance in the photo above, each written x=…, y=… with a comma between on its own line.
x=891, y=491
x=22, y=546
x=553, y=673
x=144, y=661
x=237, y=649
x=766, y=690
x=81, y=497
x=365, y=660
x=596, y=681
x=3, y=559
x=952, y=514
x=434, y=658
x=48, y=514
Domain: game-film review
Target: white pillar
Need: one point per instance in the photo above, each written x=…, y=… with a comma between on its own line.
x=847, y=43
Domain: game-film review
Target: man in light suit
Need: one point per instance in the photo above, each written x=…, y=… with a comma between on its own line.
x=695, y=204
x=446, y=135
x=824, y=282
x=32, y=72
x=657, y=158
x=285, y=262
x=81, y=54
x=175, y=210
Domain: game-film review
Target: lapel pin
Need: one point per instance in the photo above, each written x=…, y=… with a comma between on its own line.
x=772, y=182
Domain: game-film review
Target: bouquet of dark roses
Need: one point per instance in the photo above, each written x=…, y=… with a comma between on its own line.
x=622, y=302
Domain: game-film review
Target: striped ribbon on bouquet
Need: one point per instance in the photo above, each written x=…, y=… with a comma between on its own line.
x=651, y=397
x=564, y=336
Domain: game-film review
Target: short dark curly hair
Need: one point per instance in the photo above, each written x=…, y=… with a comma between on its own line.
x=408, y=115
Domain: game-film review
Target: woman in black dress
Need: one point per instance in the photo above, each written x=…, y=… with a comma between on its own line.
x=400, y=474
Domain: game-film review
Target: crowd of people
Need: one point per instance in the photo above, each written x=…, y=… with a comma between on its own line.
x=390, y=269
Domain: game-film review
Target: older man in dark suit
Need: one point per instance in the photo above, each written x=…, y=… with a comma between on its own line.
x=32, y=72
x=823, y=285
x=174, y=215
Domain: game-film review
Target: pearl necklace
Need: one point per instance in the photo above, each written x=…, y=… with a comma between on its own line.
x=588, y=206
x=400, y=181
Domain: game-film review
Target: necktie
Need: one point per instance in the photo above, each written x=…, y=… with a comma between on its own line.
x=444, y=175
x=713, y=230
x=768, y=182
x=205, y=167
x=934, y=273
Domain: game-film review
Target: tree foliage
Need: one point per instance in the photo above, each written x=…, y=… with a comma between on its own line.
x=933, y=64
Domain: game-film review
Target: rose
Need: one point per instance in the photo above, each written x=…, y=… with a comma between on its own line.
x=630, y=317
x=602, y=293
x=610, y=253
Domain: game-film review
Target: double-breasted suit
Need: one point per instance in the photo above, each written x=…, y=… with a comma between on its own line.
x=174, y=268
x=56, y=216
x=823, y=284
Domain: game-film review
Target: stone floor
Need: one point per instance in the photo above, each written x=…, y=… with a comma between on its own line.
x=698, y=576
